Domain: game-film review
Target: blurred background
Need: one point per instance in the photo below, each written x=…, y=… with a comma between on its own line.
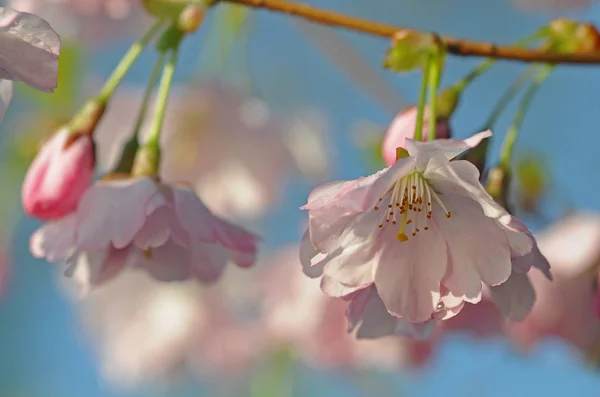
x=266, y=107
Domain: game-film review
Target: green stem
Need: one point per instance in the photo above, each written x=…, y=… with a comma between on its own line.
x=508, y=95
x=422, y=99
x=513, y=132
x=434, y=82
x=162, y=99
x=131, y=147
x=126, y=62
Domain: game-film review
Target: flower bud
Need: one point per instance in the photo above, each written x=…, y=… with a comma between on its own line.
x=59, y=175
x=190, y=18
x=569, y=36
x=409, y=51
x=403, y=126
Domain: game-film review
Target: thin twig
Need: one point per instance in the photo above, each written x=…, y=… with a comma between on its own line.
x=454, y=46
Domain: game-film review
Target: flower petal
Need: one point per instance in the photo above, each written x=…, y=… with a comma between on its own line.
x=408, y=274
x=450, y=148
x=54, y=240
x=310, y=258
x=515, y=297
x=29, y=50
x=385, y=179
x=368, y=314
x=477, y=246
x=113, y=212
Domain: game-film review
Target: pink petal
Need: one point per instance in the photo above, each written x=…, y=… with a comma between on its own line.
x=156, y=230
x=58, y=176
x=93, y=268
x=114, y=212
x=514, y=298
x=368, y=314
x=477, y=246
x=462, y=178
x=208, y=261
x=29, y=50
x=54, y=240
x=409, y=273
x=310, y=258
x=385, y=179
x=167, y=262
x=450, y=148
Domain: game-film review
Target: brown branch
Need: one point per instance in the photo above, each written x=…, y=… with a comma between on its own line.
x=453, y=45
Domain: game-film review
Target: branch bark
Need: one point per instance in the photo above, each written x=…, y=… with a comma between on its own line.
x=454, y=46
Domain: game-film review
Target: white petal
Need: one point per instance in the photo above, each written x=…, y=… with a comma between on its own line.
x=385, y=179
x=29, y=50
x=408, y=273
x=477, y=246
x=450, y=148
x=54, y=240
x=113, y=212
x=335, y=289
x=310, y=258
x=462, y=178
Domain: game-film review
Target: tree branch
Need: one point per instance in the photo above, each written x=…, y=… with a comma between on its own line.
x=454, y=46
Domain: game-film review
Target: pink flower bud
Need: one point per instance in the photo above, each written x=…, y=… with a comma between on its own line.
x=59, y=175
x=403, y=126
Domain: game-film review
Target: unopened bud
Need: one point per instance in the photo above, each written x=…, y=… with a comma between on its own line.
x=569, y=36
x=190, y=18
x=409, y=50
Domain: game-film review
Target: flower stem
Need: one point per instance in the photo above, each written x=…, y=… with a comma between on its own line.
x=434, y=82
x=131, y=147
x=162, y=99
x=508, y=95
x=511, y=135
x=126, y=62
x=422, y=99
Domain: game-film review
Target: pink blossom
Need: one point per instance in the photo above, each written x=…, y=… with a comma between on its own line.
x=162, y=228
x=59, y=176
x=403, y=126
x=423, y=232
x=91, y=21
x=29, y=50
x=210, y=142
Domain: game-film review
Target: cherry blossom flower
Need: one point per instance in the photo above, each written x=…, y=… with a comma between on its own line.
x=164, y=229
x=403, y=126
x=90, y=21
x=30, y=50
x=59, y=176
x=210, y=139
x=423, y=232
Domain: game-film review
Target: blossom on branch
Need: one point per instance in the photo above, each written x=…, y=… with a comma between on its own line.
x=424, y=233
x=59, y=176
x=140, y=223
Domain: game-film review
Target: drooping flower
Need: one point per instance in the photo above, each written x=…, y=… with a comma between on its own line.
x=403, y=127
x=59, y=176
x=210, y=139
x=423, y=232
x=90, y=21
x=29, y=50
x=164, y=229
